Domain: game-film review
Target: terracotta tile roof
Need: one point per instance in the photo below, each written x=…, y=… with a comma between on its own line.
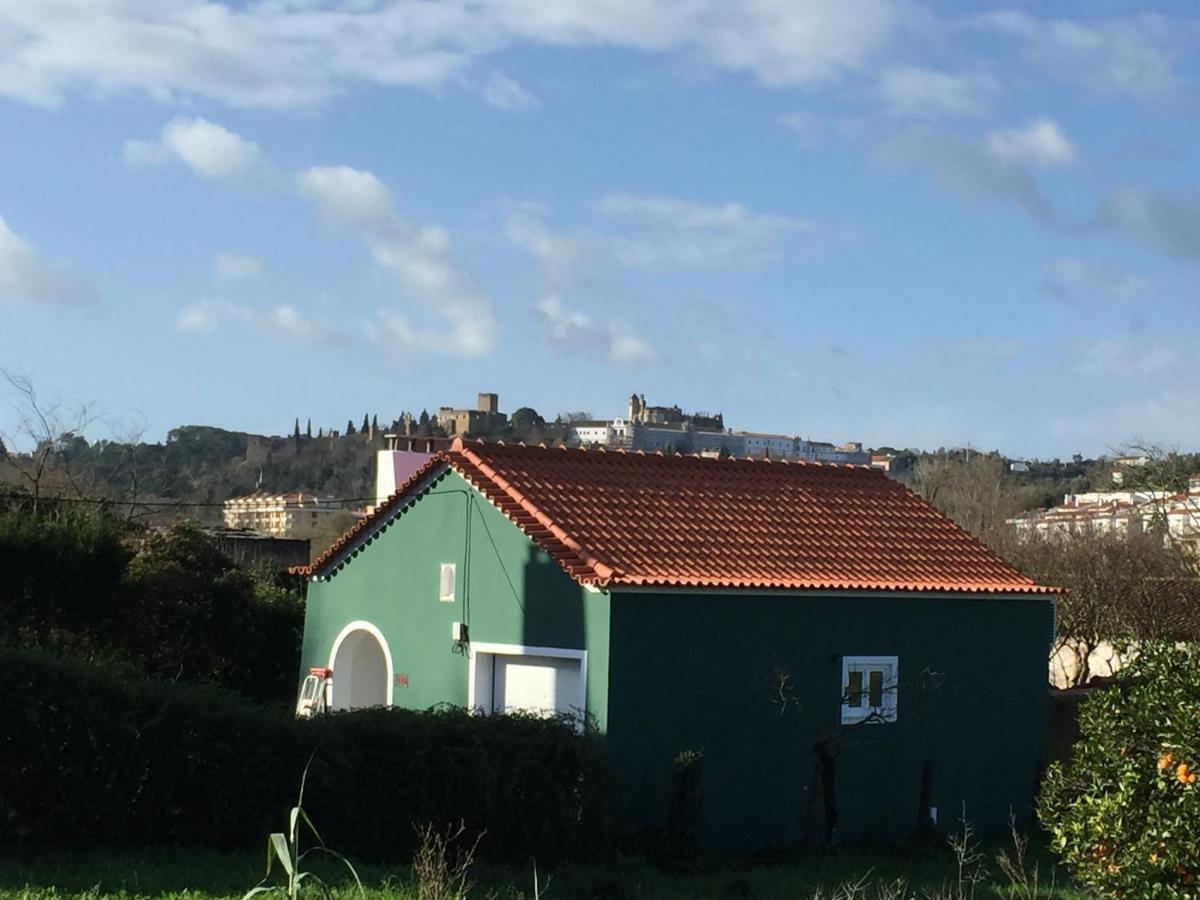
x=629, y=519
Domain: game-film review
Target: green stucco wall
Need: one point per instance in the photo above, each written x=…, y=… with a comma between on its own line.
x=508, y=592
x=700, y=672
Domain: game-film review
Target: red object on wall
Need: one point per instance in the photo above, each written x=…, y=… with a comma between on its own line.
x=323, y=673
x=402, y=680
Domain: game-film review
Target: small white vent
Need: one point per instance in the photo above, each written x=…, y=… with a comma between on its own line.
x=446, y=582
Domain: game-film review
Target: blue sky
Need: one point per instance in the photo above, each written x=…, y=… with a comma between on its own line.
x=902, y=223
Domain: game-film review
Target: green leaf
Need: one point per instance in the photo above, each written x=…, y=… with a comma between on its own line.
x=283, y=851
x=260, y=889
x=312, y=828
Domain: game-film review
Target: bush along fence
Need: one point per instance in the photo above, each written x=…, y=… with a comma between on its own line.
x=168, y=602
x=100, y=756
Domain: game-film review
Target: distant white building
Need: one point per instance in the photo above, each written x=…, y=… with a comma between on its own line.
x=280, y=515
x=599, y=433
x=654, y=429
x=1106, y=512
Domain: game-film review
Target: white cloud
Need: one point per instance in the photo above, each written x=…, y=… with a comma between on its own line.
x=1040, y=143
x=1166, y=220
x=662, y=233
x=1126, y=358
x=682, y=234
x=1001, y=165
x=346, y=197
x=282, y=323
x=914, y=91
x=294, y=53
x=998, y=166
x=232, y=267
x=1132, y=55
x=27, y=277
x=208, y=149
x=1068, y=277
x=456, y=315
x=574, y=333
x=504, y=93
x=561, y=256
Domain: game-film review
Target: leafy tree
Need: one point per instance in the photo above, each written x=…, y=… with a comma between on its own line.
x=1124, y=813
x=349, y=427
x=525, y=420
x=366, y=425
x=375, y=424
x=296, y=432
x=308, y=429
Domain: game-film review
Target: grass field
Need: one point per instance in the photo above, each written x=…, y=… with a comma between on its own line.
x=206, y=875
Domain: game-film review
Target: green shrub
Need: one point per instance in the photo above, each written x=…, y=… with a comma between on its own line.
x=188, y=612
x=95, y=756
x=62, y=571
x=1124, y=813
x=176, y=608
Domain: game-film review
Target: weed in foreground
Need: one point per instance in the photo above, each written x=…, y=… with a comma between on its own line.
x=286, y=849
x=442, y=865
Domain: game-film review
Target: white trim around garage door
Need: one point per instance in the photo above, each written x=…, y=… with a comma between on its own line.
x=363, y=625
x=480, y=648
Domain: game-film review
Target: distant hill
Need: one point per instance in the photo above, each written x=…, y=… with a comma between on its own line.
x=200, y=466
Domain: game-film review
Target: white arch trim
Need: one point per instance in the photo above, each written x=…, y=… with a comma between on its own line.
x=363, y=625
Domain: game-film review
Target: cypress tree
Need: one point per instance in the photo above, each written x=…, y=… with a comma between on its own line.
x=349, y=427
x=310, y=426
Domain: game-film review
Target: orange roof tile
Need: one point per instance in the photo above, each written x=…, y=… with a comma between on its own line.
x=630, y=519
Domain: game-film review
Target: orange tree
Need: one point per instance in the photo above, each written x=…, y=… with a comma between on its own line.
x=1124, y=812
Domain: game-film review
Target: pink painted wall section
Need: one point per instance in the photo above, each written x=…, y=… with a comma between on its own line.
x=393, y=468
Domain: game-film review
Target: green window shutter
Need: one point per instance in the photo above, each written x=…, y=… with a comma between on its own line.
x=875, y=690
x=854, y=689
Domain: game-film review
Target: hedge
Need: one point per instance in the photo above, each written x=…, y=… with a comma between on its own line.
x=170, y=602
x=102, y=756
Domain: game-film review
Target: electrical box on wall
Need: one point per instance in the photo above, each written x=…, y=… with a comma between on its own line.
x=458, y=632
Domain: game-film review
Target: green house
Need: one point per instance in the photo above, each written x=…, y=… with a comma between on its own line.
x=848, y=661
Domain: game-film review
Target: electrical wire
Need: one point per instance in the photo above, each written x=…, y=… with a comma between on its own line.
x=166, y=504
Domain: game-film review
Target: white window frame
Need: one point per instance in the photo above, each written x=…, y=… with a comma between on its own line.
x=452, y=568
x=479, y=685
x=875, y=715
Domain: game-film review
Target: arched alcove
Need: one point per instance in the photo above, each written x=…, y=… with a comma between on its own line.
x=362, y=668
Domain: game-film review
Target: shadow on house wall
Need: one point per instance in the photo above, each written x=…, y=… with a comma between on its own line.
x=552, y=605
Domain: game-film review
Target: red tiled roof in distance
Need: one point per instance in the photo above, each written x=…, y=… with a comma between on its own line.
x=630, y=519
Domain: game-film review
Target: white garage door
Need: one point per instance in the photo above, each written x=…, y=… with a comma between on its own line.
x=538, y=684
x=541, y=680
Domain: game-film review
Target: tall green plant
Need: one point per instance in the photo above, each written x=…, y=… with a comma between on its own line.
x=285, y=847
